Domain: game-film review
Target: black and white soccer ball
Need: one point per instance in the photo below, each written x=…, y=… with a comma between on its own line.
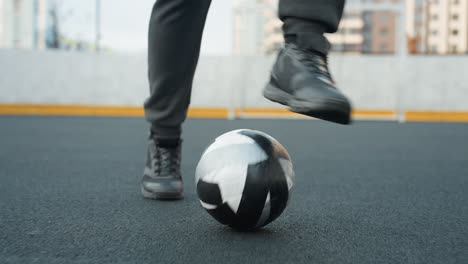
x=244, y=179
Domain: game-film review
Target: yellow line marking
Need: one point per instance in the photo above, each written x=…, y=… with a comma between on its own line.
x=281, y=112
x=98, y=110
x=195, y=112
x=206, y=112
x=266, y=112
x=387, y=113
x=73, y=110
x=437, y=116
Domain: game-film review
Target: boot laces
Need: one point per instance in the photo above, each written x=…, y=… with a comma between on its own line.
x=166, y=160
x=317, y=63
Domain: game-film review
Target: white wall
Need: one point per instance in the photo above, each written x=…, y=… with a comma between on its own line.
x=372, y=82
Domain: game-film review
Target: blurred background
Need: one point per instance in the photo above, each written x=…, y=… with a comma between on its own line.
x=399, y=60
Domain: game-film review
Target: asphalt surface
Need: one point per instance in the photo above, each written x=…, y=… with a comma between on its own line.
x=374, y=192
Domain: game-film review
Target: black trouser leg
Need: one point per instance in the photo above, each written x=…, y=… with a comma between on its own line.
x=175, y=33
x=176, y=28
x=305, y=21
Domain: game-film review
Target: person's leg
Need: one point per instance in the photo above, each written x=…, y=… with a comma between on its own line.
x=306, y=21
x=300, y=77
x=175, y=33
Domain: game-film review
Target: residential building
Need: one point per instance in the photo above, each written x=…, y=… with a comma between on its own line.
x=415, y=25
x=367, y=30
x=446, y=27
x=380, y=26
x=248, y=26
x=23, y=24
x=349, y=37
x=367, y=26
x=272, y=28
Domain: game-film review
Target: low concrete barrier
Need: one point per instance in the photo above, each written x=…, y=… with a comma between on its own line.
x=379, y=86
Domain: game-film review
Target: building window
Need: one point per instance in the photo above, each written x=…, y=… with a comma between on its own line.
x=355, y=31
x=455, y=32
x=338, y=47
x=367, y=17
x=383, y=48
x=455, y=17
x=418, y=17
x=383, y=32
x=351, y=15
x=434, y=32
x=384, y=17
x=456, y=2
x=454, y=49
x=434, y=17
x=433, y=49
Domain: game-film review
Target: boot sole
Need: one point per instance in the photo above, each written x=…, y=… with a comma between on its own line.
x=162, y=195
x=328, y=109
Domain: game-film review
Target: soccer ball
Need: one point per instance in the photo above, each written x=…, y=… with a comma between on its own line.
x=244, y=179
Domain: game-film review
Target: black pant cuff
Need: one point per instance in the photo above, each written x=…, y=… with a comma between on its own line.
x=306, y=34
x=166, y=132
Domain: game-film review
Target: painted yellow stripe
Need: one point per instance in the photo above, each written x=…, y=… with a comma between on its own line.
x=73, y=110
x=386, y=113
x=374, y=114
x=439, y=116
x=199, y=112
x=266, y=112
x=276, y=112
x=196, y=112
x=95, y=110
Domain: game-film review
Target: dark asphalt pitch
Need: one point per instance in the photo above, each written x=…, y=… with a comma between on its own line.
x=374, y=192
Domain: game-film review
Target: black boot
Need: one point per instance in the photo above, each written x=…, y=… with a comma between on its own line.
x=162, y=178
x=300, y=79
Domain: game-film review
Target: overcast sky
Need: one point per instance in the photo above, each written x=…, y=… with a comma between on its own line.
x=125, y=24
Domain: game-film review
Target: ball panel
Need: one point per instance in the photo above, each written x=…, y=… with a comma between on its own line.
x=223, y=214
x=278, y=187
x=228, y=139
x=265, y=213
x=270, y=145
x=231, y=181
x=260, y=139
x=227, y=183
x=229, y=155
x=254, y=195
x=288, y=172
x=209, y=192
x=208, y=206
